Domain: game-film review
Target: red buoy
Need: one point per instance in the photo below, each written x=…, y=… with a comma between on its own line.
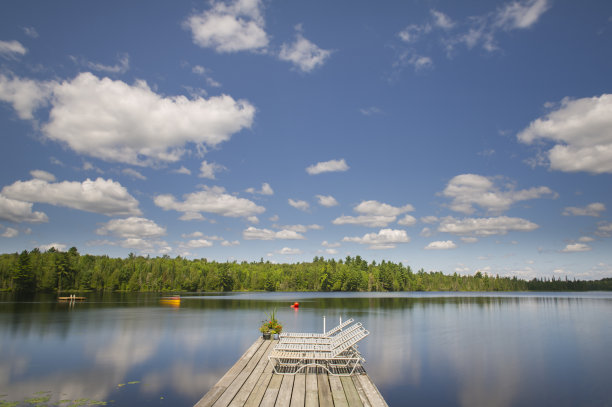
x=295, y=305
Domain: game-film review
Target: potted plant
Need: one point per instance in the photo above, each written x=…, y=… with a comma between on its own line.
x=270, y=326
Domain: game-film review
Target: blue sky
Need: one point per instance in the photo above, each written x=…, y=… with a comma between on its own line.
x=452, y=136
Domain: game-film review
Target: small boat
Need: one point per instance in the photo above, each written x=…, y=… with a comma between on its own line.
x=174, y=301
x=71, y=298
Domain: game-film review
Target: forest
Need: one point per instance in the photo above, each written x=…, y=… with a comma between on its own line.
x=69, y=271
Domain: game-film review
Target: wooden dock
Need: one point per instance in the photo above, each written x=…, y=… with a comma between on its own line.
x=252, y=382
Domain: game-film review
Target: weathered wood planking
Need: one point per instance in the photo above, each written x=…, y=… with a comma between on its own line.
x=252, y=382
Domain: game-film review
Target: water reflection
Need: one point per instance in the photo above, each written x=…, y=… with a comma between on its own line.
x=431, y=349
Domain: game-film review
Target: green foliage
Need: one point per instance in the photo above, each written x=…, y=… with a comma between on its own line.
x=70, y=271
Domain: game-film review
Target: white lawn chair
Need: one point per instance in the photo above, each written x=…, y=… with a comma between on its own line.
x=338, y=358
x=311, y=343
x=327, y=334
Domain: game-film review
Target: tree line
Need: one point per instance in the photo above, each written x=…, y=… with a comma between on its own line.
x=57, y=271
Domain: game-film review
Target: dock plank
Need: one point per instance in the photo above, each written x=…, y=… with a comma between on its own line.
x=372, y=392
x=298, y=396
x=337, y=392
x=209, y=398
x=361, y=392
x=352, y=397
x=325, y=396
x=269, y=398
x=284, y=395
x=246, y=389
x=312, y=391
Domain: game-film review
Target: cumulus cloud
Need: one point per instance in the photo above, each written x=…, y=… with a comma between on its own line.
x=485, y=226
x=441, y=245
x=253, y=233
x=604, y=229
x=99, y=196
x=208, y=170
x=299, y=228
x=327, y=166
x=576, y=247
x=581, y=131
x=114, y=121
x=288, y=251
x=212, y=200
x=384, y=239
x=266, y=189
x=132, y=228
x=182, y=170
x=10, y=232
x=229, y=27
x=227, y=243
x=42, y=175
x=12, y=49
x=325, y=243
x=467, y=190
x=407, y=220
x=375, y=214
x=298, y=204
x=372, y=221
x=133, y=174
x=594, y=209
x=328, y=200
x=197, y=243
x=122, y=66
x=18, y=211
x=303, y=54
x=25, y=95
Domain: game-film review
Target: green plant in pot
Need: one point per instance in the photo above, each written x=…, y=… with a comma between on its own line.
x=270, y=326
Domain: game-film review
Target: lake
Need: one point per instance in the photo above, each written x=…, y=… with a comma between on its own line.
x=424, y=349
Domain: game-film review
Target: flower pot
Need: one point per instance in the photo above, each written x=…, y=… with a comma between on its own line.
x=267, y=335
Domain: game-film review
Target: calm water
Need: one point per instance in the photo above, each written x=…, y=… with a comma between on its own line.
x=424, y=349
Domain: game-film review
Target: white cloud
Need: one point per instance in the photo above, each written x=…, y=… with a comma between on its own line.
x=331, y=251
x=237, y=26
x=207, y=170
x=594, y=209
x=211, y=200
x=372, y=221
x=576, y=247
x=266, y=189
x=42, y=175
x=25, y=95
x=133, y=173
x=375, y=214
x=441, y=245
x=304, y=54
x=413, y=32
x=10, y=232
x=12, y=49
x=442, y=20
x=252, y=233
x=467, y=190
x=30, y=32
x=288, y=251
x=407, y=220
x=192, y=235
x=253, y=219
x=328, y=200
x=586, y=239
x=521, y=14
x=121, y=67
x=132, y=228
x=370, y=111
x=57, y=246
x=299, y=228
x=301, y=205
x=325, y=243
x=197, y=243
x=100, y=196
x=429, y=219
x=182, y=170
x=604, y=229
x=384, y=239
x=227, y=243
x=581, y=130
x=114, y=121
x=470, y=239
x=485, y=226
x=327, y=166
x=381, y=209
x=426, y=232
x=18, y=211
